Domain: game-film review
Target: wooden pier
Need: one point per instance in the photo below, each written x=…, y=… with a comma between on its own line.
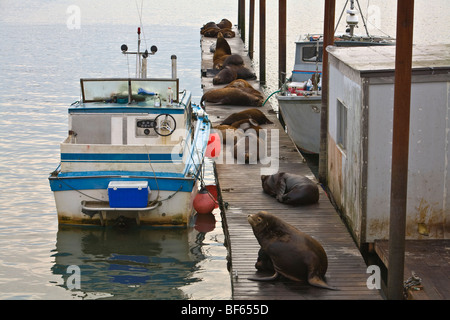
x=241, y=194
x=430, y=261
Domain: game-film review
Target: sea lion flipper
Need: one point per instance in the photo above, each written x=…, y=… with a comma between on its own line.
x=316, y=281
x=271, y=278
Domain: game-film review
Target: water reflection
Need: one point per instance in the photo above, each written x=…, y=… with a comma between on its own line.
x=138, y=263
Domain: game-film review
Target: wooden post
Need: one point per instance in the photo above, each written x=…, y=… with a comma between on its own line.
x=400, y=148
x=262, y=42
x=241, y=19
x=328, y=39
x=281, y=41
x=251, y=28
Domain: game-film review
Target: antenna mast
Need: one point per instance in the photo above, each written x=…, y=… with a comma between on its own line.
x=141, y=57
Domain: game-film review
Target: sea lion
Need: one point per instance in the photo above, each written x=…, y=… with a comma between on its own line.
x=211, y=29
x=231, y=96
x=253, y=113
x=244, y=85
x=290, y=188
x=228, y=33
x=232, y=72
x=226, y=75
x=221, y=52
x=263, y=262
x=249, y=148
x=225, y=23
x=294, y=254
x=245, y=124
x=233, y=59
x=227, y=132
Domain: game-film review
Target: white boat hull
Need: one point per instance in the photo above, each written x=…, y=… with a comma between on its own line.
x=301, y=115
x=77, y=207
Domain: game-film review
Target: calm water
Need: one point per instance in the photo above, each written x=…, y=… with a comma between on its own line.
x=41, y=63
x=42, y=58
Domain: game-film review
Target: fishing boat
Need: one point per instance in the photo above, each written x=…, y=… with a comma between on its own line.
x=300, y=98
x=134, y=151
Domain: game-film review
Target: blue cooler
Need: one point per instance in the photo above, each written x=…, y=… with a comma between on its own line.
x=128, y=194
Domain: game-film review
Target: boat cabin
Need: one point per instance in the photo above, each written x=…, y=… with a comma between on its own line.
x=361, y=101
x=136, y=115
x=124, y=111
x=309, y=51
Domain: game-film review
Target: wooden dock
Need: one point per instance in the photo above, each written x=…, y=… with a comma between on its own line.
x=241, y=194
x=430, y=261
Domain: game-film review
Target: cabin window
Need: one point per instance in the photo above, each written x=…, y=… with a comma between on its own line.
x=309, y=53
x=341, y=125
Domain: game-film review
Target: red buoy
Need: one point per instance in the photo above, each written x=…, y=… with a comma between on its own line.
x=203, y=202
x=205, y=222
x=213, y=146
x=212, y=189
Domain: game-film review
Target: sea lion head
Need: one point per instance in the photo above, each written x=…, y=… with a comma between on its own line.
x=268, y=183
x=265, y=226
x=226, y=75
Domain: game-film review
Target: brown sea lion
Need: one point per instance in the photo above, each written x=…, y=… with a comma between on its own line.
x=221, y=52
x=245, y=124
x=211, y=29
x=231, y=96
x=208, y=25
x=253, y=113
x=240, y=83
x=290, y=188
x=294, y=254
x=228, y=133
x=244, y=85
x=225, y=23
x=249, y=125
x=228, y=33
x=249, y=149
x=233, y=59
x=232, y=72
x=226, y=75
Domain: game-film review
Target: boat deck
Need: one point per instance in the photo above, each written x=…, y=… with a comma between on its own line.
x=241, y=194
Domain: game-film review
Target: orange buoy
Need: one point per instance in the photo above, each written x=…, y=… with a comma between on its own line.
x=204, y=202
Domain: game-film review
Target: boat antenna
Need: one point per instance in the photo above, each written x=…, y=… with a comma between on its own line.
x=141, y=57
x=362, y=17
x=352, y=18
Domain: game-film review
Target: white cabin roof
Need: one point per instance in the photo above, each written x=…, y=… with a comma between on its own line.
x=382, y=58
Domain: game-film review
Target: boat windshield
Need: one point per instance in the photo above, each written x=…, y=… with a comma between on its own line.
x=309, y=54
x=120, y=90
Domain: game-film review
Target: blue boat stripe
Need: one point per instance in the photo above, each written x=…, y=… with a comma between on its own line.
x=123, y=157
x=127, y=109
x=89, y=183
x=139, y=174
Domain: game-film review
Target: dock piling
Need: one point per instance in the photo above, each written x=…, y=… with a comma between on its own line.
x=400, y=148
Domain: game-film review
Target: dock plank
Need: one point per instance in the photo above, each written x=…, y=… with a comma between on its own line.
x=430, y=260
x=241, y=194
